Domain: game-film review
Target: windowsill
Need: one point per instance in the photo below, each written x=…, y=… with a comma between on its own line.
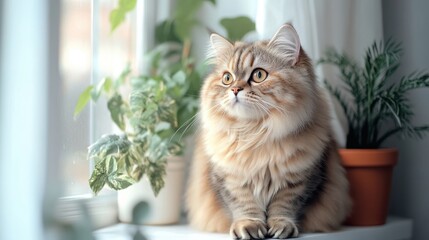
x=395, y=229
x=101, y=209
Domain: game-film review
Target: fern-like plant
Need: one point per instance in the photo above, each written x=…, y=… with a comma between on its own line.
x=372, y=99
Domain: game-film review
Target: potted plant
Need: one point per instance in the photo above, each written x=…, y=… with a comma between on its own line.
x=149, y=121
x=154, y=112
x=376, y=108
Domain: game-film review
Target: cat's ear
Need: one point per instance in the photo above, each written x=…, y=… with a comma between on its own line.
x=219, y=45
x=286, y=41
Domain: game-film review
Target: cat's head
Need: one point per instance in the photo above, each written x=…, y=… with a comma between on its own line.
x=260, y=80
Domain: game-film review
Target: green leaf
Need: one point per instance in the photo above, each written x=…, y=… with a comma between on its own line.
x=112, y=153
x=127, y=5
x=119, y=182
x=185, y=17
x=151, y=105
x=237, y=27
x=84, y=98
x=111, y=165
x=109, y=144
x=156, y=174
x=179, y=77
x=212, y=2
x=183, y=28
x=138, y=101
x=164, y=32
x=104, y=85
x=194, y=81
x=117, y=110
x=413, y=81
x=135, y=171
x=132, y=163
x=177, y=85
x=107, y=84
x=161, y=126
x=98, y=178
x=117, y=16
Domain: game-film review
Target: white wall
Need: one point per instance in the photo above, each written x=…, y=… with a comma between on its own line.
x=408, y=21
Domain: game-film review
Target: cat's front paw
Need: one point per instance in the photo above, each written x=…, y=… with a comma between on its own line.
x=248, y=229
x=282, y=228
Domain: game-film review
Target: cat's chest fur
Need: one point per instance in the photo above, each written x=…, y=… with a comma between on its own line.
x=265, y=184
x=264, y=168
x=249, y=156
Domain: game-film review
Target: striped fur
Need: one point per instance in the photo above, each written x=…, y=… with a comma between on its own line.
x=265, y=166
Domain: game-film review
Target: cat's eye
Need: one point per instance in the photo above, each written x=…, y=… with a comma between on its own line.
x=227, y=78
x=259, y=75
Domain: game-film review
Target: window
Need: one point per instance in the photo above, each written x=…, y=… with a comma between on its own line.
x=89, y=51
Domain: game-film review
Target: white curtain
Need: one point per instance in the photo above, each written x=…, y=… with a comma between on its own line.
x=29, y=88
x=346, y=25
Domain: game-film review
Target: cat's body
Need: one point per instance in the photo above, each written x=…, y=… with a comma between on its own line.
x=265, y=162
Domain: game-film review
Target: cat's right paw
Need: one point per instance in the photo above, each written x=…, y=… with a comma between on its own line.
x=282, y=228
x=248, y=229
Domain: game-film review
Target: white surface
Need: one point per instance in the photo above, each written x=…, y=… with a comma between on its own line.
x=394, y=229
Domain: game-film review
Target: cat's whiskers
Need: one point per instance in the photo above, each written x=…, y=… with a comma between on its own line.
x=246, y=135
x=222, y=103
x=257, y=99
x=267, y=110
x=273, y=106
x=188, y=127
x=183, y=125
x=258, y=105
x=188, y=123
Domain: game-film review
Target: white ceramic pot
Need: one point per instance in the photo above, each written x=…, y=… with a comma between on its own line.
x=163, y=209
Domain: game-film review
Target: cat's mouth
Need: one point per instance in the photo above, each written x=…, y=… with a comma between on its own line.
x=235, y=101
x=240, y=107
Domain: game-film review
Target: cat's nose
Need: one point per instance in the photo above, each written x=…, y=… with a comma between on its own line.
x=235, y=90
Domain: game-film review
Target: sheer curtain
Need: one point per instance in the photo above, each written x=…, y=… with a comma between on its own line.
x=346, y=25
x=29, y=110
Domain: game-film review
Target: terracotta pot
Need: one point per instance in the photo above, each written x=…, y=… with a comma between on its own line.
x=369, y=172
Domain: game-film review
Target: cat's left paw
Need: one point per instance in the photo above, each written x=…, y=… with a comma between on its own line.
x=282, y=228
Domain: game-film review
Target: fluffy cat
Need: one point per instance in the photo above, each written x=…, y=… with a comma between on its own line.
x=265, y=163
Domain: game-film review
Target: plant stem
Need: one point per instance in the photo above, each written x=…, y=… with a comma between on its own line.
x=186, y=49
x=386, y=135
